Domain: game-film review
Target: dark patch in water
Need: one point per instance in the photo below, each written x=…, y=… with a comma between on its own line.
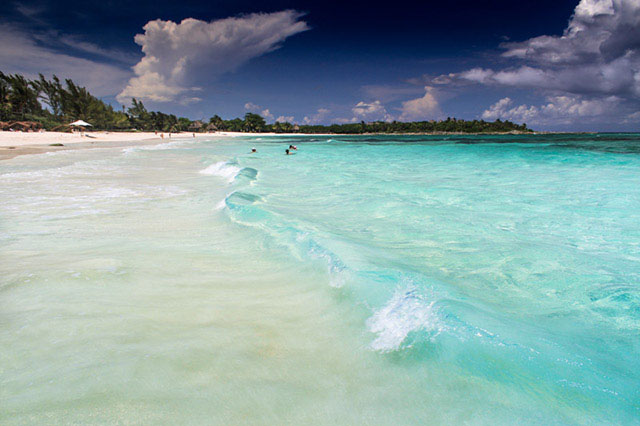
x=618, y=148
x=242, y=198
x=248, y=173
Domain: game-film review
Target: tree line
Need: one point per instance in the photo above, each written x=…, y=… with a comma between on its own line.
x=450, y=125
x=54, y=104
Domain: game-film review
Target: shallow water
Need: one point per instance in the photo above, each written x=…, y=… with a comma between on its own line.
x=363, y=280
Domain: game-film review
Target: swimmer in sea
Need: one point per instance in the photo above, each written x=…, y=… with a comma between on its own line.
x=253, y=150
x=293, y=147
x=287, y=152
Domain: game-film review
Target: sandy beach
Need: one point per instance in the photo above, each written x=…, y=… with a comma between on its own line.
x=13, y=144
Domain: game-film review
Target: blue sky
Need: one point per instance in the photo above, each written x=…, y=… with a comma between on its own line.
x=556, y=65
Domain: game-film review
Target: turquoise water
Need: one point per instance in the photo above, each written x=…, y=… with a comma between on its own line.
x=362, y=280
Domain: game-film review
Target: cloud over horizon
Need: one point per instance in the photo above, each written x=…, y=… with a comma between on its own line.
x=579, y=71
x=420, y=109
x=180, y=58
x=557, y=110
x=596, y=61
x=370, y=111
x=264, y=112
x=317, y=118
x=424, y=108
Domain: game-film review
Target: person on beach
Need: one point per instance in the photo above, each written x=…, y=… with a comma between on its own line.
x=161, y=135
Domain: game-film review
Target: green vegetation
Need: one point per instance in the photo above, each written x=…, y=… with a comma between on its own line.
x=22, y=100
x=450, y=125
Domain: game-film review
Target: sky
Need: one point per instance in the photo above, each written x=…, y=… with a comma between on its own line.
x=555, y=65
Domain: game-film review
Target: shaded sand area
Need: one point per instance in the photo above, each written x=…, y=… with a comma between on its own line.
x=13, y=144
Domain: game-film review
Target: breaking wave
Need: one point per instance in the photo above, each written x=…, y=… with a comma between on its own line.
x=406, y=312
x=222, y=169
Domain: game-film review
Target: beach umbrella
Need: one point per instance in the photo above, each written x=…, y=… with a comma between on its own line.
x=80, y=123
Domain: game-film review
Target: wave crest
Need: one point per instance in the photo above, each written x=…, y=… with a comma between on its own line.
x=222, y=169
x=406, y=311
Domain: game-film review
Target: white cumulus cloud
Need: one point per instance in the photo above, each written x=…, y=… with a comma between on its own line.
x=264, y=112
x=370, y=111
x=598, y=53
x=179, y=58
x=367, y=111
x=285, y=119
x=595, y=62
x=317, y=118
x=424, y=108
x=557, y=110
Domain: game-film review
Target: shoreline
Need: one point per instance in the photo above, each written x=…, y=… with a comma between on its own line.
x=13, y=144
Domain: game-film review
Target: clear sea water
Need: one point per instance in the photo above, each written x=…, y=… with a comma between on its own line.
x=364, y=280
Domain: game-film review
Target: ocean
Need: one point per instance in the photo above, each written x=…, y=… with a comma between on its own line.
x=363, y=280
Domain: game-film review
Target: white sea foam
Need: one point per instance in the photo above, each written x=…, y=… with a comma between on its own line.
x=405, y=312
x=221, y=204
x=158, y=147
x=76, y=169
x=71, y=198
x=337, y=279
x=222, y=169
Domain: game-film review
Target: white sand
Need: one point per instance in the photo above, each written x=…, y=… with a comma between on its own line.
x=234, y=134
x=13, y=144
x=45, y=138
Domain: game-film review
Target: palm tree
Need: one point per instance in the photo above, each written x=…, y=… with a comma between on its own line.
x=5, y=107
x=50, y=93
x=22, y=96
